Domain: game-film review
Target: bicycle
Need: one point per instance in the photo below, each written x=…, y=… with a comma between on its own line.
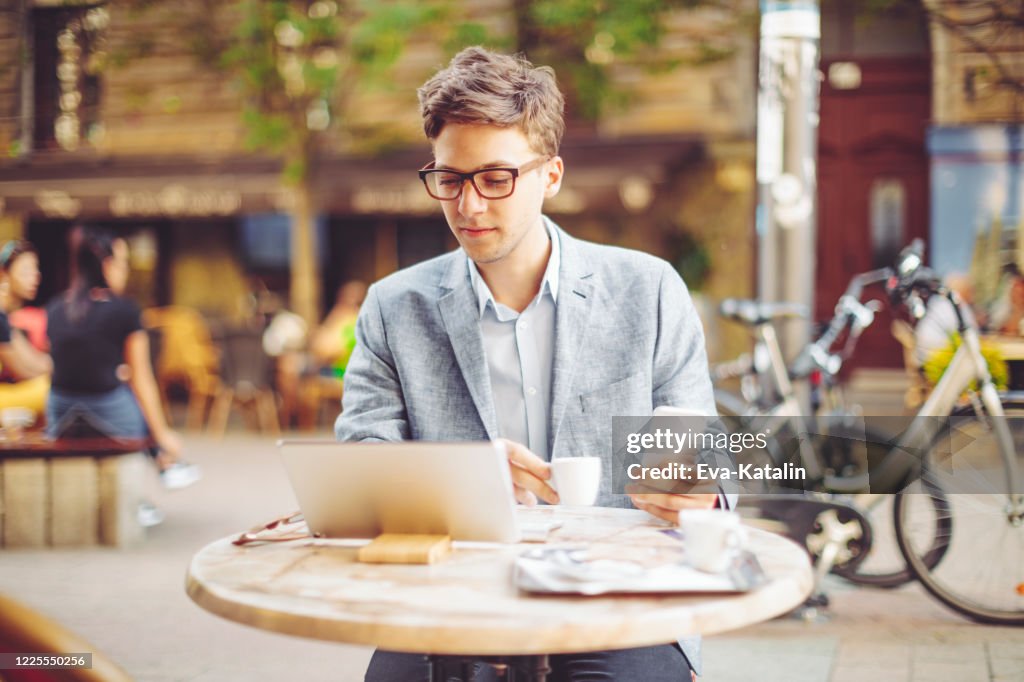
x=984, y=520
x=838, y=529
x=924, y=524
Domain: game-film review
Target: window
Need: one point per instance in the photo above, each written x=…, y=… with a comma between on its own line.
x=266, y=241
x=888, y=218
x=68, y=49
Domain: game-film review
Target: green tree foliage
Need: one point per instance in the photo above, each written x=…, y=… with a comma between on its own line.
x=298, y=64
x=588, y=39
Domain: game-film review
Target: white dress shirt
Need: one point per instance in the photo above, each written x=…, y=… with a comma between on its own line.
x=520, y=349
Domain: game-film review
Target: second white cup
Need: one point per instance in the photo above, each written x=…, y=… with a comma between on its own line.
x=712, y=538
x=577, y=480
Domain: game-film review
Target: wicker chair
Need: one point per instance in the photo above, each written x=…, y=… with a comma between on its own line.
x=187, y=357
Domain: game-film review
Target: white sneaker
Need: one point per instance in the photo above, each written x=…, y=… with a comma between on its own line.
x=148, y=515
x=180, y=475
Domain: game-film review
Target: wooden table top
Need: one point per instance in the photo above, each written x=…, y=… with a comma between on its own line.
x=468, y=604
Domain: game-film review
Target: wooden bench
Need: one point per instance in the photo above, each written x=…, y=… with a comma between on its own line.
x=71, y=492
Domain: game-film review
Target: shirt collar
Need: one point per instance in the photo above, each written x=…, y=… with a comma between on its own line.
x=549, y=284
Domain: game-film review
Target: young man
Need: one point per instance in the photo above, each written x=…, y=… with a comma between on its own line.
x=525, y=333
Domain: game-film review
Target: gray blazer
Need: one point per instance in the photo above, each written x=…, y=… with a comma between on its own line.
x=627, y=339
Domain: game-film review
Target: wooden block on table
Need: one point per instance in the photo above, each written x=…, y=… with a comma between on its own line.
x=74, y=501
x=395, y=548
x=121, y=481
x=26, y=503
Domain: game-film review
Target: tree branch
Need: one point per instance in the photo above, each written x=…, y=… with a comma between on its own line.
x=962, y=30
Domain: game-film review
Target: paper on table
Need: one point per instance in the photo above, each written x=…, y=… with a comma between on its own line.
x=574, y=571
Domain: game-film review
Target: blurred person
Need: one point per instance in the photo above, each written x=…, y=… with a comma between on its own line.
x=1008, y=311
x=285, y=340
x=19, y=284
x=332, y=342
x=507, y=337
x=101, y=363
x=25, y=373
x=327, y=354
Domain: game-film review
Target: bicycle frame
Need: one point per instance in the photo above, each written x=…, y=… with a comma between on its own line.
x=966, y=366
x=788, y=409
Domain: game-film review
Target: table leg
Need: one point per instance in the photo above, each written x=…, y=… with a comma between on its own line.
x=438, y=669
x=523, y=668
x=541, y=668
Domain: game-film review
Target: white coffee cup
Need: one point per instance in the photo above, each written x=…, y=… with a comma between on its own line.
x=577, y=480
x=712, y=538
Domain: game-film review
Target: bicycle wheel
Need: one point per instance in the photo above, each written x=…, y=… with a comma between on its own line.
x=982, y=573
x=884, y=565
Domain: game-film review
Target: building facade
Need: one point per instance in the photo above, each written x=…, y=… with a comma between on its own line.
x=155, y=148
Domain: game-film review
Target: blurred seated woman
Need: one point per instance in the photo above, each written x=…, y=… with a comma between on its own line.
x=101, y=364
x=300, y=374
x=333, y=341
x=19, y=267
x=24, y=369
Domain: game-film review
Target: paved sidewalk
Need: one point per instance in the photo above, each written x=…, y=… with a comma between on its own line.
x=132, y=605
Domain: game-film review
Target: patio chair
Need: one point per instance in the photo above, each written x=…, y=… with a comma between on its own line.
x=317, y=394
x=186, y=356
x=23, y=629
x=246, y=379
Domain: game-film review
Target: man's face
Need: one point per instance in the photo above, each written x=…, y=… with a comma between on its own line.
x=491, y=230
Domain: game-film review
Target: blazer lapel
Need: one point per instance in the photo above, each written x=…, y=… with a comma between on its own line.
x=459, y=312
x=572, y=314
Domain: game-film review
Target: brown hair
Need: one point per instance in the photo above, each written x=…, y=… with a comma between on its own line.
x=484, y=87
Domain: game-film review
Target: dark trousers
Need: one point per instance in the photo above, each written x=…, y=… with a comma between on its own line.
x=664, y=663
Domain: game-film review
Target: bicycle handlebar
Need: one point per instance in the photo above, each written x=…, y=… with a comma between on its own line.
x=849, y=312
x=906, y=277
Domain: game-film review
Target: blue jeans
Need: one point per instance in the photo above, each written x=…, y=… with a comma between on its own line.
x=114, y=414
x=664, y=663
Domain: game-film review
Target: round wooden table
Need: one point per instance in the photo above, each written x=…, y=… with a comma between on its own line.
x=467, y=604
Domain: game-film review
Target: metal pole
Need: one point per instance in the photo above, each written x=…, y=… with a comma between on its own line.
x=787, y=132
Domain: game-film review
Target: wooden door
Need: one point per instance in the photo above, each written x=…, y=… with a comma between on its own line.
x=872, y=183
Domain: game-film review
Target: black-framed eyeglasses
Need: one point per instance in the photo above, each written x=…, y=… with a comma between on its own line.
x=489, y=183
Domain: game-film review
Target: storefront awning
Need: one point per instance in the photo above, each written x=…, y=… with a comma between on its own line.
x=601, y=175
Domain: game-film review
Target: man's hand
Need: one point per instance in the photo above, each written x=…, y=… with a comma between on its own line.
x=666, y=506
x=530, y=475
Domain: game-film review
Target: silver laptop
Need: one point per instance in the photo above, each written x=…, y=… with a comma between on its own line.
x=360, y=490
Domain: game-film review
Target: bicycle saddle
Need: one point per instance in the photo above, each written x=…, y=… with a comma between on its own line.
x=753, y=312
